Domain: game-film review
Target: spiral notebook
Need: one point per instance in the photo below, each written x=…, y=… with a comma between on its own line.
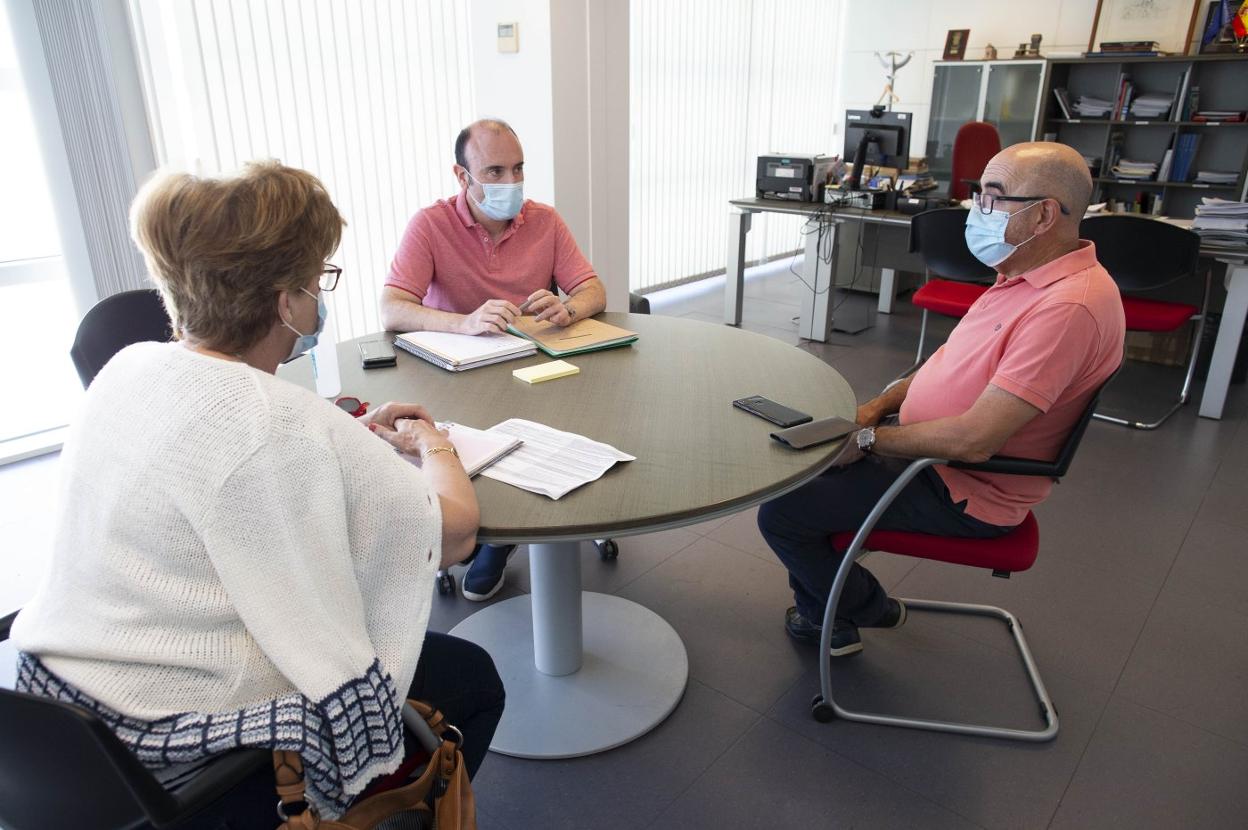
x=460, y=352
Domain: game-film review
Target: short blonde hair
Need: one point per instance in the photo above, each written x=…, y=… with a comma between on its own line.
x=220, y=249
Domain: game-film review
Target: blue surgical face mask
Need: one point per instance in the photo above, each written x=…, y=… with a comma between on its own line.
x=306, y=342
x=502, y=201
x=985, y=235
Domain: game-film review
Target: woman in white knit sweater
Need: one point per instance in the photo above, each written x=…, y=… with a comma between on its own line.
x=238, y=562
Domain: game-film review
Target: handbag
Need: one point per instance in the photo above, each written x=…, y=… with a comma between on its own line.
x=441, y=797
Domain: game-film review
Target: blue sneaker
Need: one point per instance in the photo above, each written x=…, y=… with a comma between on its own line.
x=485, y=574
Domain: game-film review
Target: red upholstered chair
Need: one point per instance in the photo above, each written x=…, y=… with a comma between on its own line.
x=975, y=143
x=954, y=278
x=1142, y=255
x=1013, y=552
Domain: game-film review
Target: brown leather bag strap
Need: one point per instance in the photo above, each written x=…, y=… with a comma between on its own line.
x=288, y=781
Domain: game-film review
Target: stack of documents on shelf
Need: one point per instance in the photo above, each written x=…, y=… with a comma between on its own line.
x=1151, y=105
x=477, y=448
x=1217, y=176
x=1127, y=169
x=459, y=352
x=1228, y=116
x=551, y=462
x=1222, y=225
x=1089, y=106
x=587, y=335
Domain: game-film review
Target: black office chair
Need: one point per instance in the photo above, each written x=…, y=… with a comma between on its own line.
x=60, y=766
x=114, y=323
x=954, y=278
x=1143, y=255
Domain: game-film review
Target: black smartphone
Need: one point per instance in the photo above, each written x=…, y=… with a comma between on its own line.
x=375, y=354
x=814, y=433
x=769, y=410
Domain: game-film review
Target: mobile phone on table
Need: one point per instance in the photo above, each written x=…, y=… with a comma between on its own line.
x=769, y=410
x=814, y=433
x=375, y=354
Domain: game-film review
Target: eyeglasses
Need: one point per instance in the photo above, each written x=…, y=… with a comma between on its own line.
x=352, y=406
x=985, y=201
x=329, y=278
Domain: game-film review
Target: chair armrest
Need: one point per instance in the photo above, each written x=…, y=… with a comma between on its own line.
x=214, y=781
x=1013, y=466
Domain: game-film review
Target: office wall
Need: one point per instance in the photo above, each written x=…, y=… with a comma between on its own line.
x=921, y=25
x=516, y=87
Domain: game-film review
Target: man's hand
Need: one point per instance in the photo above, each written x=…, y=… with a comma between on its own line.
x=388, y=413
x=869, y=415
x=492, y=316
x=546, y=306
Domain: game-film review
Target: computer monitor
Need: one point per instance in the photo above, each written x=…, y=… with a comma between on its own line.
x=891, y=147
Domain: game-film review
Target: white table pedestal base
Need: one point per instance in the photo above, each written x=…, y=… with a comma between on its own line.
x=632, y=667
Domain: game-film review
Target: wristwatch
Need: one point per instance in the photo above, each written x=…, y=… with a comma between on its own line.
x=866, y=438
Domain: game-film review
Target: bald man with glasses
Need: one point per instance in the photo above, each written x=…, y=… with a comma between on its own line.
x=1013, y=378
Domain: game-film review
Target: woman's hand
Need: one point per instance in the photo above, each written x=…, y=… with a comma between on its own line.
x=412, y=436
x=388, y=413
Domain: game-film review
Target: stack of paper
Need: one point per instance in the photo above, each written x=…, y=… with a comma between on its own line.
x=1217, y=176
x=551, y=462
x=1222, y=225
x=477, y=448
x=1089, y=106
x=587, y=335
x=459, y=352
x=1151, y=105
x=1127, y=169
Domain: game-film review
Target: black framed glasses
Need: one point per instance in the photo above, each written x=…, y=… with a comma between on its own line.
x=329, y=278
x=985, y=201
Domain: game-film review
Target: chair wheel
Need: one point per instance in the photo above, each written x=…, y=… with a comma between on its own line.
x=446, y=585
x=820, y=711
x=608, y=550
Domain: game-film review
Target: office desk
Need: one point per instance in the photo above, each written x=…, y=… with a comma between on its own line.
x=1226, y=347
x=586, y=672
x=816, y=315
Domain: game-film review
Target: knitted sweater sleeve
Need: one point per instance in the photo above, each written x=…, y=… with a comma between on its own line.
x=278, y=535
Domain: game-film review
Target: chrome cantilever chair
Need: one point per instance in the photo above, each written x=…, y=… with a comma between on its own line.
x=60, y=766
x=1142, y=255
x=954, y=278
x=1015, y=551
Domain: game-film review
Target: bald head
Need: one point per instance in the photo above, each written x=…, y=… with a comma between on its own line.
x=470, y=136
x=1043, y=168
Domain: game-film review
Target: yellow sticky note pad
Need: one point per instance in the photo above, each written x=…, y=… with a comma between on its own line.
x=545, y=371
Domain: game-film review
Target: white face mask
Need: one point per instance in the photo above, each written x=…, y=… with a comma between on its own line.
x=502, y=201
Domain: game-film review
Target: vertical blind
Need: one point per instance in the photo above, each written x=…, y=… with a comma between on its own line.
x=716, y=83
x=368, y=96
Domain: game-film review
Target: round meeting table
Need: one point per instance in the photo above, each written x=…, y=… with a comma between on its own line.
x=586, y=672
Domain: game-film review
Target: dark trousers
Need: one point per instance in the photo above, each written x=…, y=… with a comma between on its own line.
x=454, y=676
x=797, y=527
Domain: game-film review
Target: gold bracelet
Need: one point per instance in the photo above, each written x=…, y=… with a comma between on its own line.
x=436, y=450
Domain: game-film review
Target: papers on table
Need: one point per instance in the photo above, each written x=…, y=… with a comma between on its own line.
x=1222, y=225
x=551, y=462
x=477, y=448
x=459, y=352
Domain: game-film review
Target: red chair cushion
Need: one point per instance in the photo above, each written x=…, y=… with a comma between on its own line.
x=1015, y=551
x=1155, y=315
x=952, y=299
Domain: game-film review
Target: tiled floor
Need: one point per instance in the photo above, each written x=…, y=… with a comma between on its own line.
x=1136, y=612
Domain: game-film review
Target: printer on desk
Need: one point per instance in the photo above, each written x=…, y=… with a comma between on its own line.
x=798, y=178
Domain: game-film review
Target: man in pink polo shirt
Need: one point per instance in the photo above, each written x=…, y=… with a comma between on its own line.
x=474, y=262
x=1012, y=379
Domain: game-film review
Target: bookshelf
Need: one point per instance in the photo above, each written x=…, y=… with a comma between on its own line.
x=1220, y=146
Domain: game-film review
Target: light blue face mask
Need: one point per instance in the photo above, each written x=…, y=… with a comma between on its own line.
x=306, y=342
x=502, y=201
x=985, y=235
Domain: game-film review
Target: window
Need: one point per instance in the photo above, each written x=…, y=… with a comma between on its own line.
x=367, y=96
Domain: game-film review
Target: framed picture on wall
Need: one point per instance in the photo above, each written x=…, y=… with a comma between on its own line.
x=1168, y=22
x=955, y=44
